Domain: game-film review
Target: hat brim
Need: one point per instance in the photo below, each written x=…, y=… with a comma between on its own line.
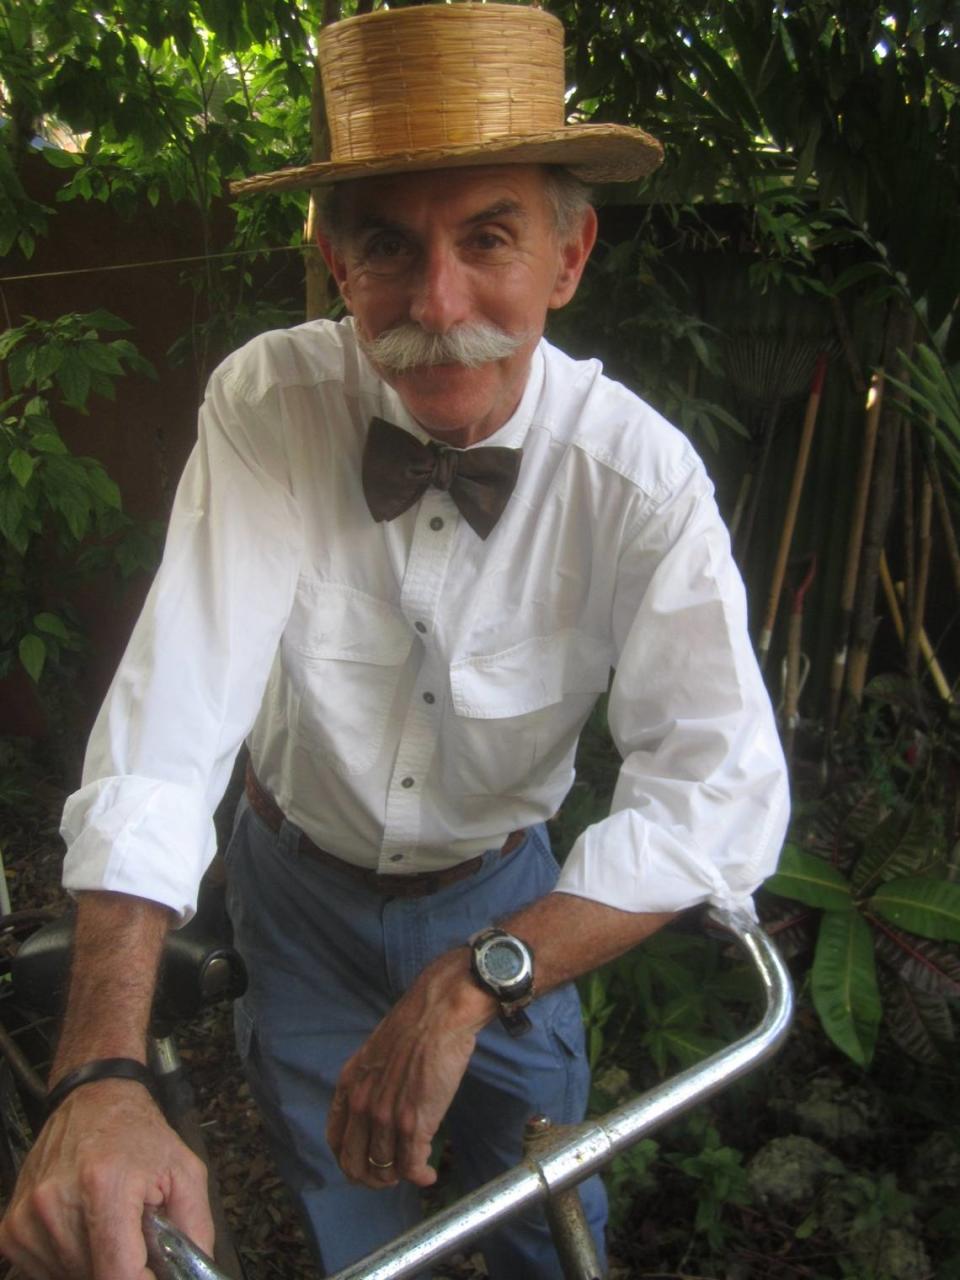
x=593, y=152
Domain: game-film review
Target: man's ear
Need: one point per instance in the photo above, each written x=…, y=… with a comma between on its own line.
x=336, y=265
x=574, y=252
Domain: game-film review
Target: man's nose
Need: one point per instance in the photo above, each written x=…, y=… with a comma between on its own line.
x=440, y=298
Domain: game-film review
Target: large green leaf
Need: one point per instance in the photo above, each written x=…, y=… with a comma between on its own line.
x=809, y=879
x=900, y=848
x=928, y=907
x=844, y=984
x=33, y=654
x=920, y=1024
x=931, y=967
x=21, y=466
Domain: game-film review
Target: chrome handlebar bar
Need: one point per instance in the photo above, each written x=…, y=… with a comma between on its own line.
x=580, y=1152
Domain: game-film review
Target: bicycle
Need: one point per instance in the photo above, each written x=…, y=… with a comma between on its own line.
x=556, y=1160
x=199, y=968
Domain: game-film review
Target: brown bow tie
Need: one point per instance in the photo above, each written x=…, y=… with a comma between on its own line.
x=398, y=469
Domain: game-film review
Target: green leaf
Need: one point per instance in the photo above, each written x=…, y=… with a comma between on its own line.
x=21, y=466
x=844, y=984
x=47, y=442
x=853, y=275
x=927, y=966
x=19, y=366
x=33, y=654
x=930, y=908
x=74, y=379
x=920, y=1024
x=47, y=360
x=103, y=319
x=810, y=880
x=13, y=510
x=52, y=625
x=62, y=159
x=103, y=487
x=99, y=356
x=897, y=848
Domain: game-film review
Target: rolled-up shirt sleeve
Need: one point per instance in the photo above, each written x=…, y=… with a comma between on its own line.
x=701, y=803
x=192, y=678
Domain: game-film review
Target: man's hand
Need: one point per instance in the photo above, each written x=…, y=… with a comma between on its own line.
x=104, y=1154
x=395, y=1090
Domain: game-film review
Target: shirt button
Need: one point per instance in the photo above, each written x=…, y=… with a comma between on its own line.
x=428, y=697
x=421, y=627
x=396, y=857
x=406, y=782
x=436, y=523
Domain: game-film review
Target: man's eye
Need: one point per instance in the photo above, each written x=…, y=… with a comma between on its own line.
x=386, y=248
x=489, y=241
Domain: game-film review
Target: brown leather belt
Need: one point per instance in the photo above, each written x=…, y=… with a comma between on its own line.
x=417, y=885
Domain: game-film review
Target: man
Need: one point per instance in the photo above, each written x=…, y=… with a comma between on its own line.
x=410, y=647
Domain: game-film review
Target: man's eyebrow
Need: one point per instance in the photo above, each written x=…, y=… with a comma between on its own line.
x=377, y=222
x=372, y=221
x=502, y=209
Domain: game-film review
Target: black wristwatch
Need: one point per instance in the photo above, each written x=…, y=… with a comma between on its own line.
x=503, y=966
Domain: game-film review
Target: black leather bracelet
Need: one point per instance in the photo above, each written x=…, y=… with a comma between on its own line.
x=101, y=1069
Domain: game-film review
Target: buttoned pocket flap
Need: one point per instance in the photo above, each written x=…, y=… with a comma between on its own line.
x=340, y=623
x=531, y=675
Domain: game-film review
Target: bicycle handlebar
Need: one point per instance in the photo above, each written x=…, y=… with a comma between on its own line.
x=581, y=1151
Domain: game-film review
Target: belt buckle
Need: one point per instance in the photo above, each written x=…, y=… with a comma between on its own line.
x=415, y=886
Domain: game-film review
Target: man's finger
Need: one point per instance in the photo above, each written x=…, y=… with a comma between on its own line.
x=188, y=1207
x=413, y=1160
x=117, y=1247
x=337, y=1120
x=355, y=1148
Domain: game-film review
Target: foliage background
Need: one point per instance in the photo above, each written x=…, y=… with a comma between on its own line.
x=808, y=203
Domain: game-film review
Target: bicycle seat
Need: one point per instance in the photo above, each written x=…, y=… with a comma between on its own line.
x=198, y=968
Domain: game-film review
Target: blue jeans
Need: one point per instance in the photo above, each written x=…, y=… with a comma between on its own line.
x=327, y=960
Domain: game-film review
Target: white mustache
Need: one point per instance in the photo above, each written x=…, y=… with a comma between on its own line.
x=409, y=347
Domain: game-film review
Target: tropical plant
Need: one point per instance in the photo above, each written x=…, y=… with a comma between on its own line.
x=933, y=394
x=873, y=860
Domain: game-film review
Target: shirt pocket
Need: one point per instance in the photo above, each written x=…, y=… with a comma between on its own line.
x=344, y=652
x=519, y=712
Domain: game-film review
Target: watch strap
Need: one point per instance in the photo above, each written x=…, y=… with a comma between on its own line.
x=101, y=1069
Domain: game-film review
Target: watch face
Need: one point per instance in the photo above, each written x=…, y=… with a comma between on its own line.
x=504, y=965
x=503, y=961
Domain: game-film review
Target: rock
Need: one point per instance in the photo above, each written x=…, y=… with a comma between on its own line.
x=789, y=1171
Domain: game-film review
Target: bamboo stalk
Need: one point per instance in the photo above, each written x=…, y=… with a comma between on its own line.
x=924, y=551
x=854, y=543
x=793, y=506
x=755, y=481
x=899, y=339
x=894, y=595
x=943, y=513
x=909, y=523
x=792, y=682
x=740, y=503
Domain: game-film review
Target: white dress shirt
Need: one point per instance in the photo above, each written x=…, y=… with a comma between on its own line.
x=411, y=693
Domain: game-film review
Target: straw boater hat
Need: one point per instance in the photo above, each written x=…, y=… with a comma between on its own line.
x=447, y=85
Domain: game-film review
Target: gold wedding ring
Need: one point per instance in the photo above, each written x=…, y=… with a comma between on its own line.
x=377, y=1165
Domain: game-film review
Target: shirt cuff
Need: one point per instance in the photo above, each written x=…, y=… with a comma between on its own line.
x=142, y=836
x=634, y=865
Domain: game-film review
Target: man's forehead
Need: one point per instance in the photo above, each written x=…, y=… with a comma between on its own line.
x=495, y=190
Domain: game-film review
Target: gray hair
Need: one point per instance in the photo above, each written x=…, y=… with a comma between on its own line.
x=568, y=197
